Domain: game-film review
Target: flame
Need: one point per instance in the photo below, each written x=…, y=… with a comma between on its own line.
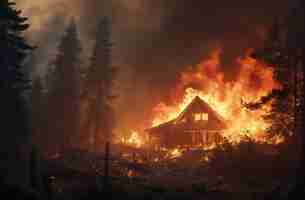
x=130, y=173
x=254, y=81
x=175, y=153
x=206, y=158
x=171, y=153
x=134, y=140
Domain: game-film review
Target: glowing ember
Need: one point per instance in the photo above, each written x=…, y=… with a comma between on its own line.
x=206, y=158
x=175, y=153
x=209, y=147
x=276, y=139
x=226, y=98
x=130, y=173
x=134, y=140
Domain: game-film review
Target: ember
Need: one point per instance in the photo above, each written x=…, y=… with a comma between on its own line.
x=134, y=140
x=175, y=153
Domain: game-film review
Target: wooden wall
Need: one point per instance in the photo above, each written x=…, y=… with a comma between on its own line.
x=173, y=139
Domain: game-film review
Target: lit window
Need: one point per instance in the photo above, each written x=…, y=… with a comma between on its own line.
x=201, y=117
x=197, y=116
x=204, y=116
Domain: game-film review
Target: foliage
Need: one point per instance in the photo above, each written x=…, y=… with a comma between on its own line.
x=15, y=112
x=13, y=46
x=277, y=54
x=63, y=83
x=99, y=85
x=199, y=188
x=38, y=111
x=240, y=156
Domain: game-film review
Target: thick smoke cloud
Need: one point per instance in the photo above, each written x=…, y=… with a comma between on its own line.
x=155, y=39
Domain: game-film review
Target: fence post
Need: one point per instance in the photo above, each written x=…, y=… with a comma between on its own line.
x=106, y=187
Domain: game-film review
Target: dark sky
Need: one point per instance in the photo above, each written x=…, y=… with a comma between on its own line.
x=155, y=40
x=187, y=30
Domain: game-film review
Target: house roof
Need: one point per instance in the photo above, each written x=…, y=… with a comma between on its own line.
x=215, y=121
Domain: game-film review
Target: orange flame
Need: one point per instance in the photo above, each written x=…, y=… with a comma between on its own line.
x=255, y=80
x=134, y=140
x=174, y=153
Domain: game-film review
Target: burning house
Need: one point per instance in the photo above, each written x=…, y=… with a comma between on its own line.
x=198, y=124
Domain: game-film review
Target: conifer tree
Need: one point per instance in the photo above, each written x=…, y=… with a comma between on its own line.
x=51, y=135
x=99, y=86
x=275, y=53
x=38, y=114
x=13, y=47
x=15, y=143
x=65, y=89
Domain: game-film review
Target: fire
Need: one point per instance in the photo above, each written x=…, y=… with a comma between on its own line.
x=130, y=173
x=175, y=153
x=255, y=80
x=134, y=140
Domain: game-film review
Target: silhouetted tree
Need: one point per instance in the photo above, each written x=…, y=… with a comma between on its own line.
x=287, y=56
x=276, y=54
x=13, y=47
x=99, y=85
x=51, y=137
x=15, y=143
x=64, y=92
x=38, y=111
x=297, y=49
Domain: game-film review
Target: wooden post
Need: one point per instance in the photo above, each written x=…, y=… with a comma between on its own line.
x=106, y=185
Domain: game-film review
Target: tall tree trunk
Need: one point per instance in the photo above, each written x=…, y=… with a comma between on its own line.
x=106, y=182
x=97, y=119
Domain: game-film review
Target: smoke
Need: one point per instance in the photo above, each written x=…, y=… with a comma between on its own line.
x=48, y=20
x=154, y=40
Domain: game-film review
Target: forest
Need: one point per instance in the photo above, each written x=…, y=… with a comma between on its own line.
x=75, y=127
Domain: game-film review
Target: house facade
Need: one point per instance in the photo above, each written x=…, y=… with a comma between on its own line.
x=197, y=125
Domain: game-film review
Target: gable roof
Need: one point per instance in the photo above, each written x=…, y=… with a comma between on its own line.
x=198, y=105
x=215, y=122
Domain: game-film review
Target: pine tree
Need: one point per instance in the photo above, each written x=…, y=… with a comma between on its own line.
x=13, y=47
x=16, y=134
x=65, y=89
x=99, y=86
x=38, y=108
x=296, y=46
x=275, y=53
x=288, y=103
x=51, y=135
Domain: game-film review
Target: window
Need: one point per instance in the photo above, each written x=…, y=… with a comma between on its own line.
x=204, y=116
x=201, y=117
x=197, y=116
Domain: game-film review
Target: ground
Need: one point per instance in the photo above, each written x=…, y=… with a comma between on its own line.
x=241, y=173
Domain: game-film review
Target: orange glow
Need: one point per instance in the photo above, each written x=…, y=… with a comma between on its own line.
x=130, y=173
x=134, y=140
x=174, y=153
x=254, y=80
